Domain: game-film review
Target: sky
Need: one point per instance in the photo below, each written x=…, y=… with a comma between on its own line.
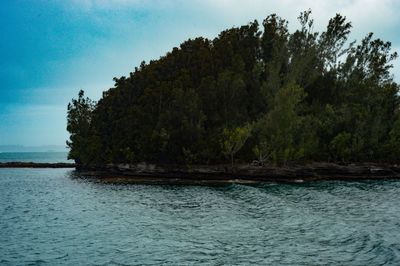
x=51, y=49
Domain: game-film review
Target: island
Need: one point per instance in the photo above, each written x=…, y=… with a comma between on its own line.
x=256, y=103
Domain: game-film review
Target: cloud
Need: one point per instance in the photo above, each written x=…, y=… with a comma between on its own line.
x=91, y=5
x=379, y=16
x=132, y=37
x=33, y=124
x=76, y=44
x=364, y=13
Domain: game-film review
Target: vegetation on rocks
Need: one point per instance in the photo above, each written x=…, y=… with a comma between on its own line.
x=254, y=93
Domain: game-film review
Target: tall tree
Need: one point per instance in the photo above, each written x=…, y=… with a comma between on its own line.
x=79, y=118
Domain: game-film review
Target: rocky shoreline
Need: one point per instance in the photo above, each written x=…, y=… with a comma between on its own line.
x=144, y=173
x=243, y=174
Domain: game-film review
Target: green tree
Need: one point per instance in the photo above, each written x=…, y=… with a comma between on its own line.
x=341, y=145
x=307, y=95
x=79, y=118
x=280, y=135
x=393, y=146
x=234, y=139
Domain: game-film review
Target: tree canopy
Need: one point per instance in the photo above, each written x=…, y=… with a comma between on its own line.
x=254, y=93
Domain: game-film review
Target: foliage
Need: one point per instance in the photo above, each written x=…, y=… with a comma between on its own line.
x=78, y=124
x=282, y=135
x=249, y=94
x=234, y=139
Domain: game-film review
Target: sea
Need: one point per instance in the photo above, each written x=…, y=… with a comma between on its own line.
x=58, y=217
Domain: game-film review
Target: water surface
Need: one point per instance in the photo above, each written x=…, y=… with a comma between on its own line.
x=53, y=217
x=37, y=157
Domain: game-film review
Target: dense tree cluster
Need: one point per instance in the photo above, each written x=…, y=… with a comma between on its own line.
x=254, y=93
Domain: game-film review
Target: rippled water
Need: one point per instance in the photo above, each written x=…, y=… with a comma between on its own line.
x=53, y=217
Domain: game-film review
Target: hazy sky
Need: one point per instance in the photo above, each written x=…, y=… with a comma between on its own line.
x=51, y=49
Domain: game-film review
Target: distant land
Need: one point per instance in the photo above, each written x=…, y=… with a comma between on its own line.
x=41, y=148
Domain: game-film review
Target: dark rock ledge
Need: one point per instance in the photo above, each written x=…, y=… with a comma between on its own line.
x=144, y=173
x=243, y=174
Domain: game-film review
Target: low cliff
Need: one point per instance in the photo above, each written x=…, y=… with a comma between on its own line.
x=151, y=173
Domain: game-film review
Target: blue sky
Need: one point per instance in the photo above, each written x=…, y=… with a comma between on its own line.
x=51, y=49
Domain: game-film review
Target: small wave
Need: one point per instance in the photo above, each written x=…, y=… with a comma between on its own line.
x=36, y=262
x=120, y=250
x=112, y=262
x=62, y=256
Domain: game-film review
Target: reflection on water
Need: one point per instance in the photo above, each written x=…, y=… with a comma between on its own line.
x=51, y=217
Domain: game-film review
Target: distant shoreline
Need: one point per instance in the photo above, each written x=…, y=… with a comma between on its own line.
x=32, y=149
x=36, y=165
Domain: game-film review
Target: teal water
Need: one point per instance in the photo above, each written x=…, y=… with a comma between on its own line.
x=37, y=157
x=55, y=217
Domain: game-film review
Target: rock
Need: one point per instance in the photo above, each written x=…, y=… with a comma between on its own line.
x=205, y=174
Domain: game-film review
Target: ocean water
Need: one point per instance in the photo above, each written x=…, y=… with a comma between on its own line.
x=56, y=217
x=37, y=157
